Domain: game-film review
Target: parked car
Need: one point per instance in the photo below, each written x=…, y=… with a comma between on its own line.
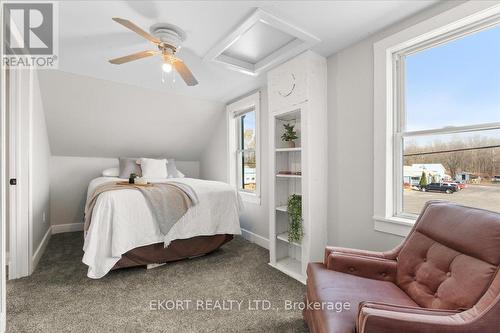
x=457, y=185
x=461, y=185
x=496, y=179
x=440, y=187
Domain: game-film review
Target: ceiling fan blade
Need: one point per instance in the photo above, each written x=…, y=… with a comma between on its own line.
x=184, y=71
x=132, y=57
x=136, y=29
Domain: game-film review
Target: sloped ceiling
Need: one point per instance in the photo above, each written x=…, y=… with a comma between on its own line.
x=92, y=117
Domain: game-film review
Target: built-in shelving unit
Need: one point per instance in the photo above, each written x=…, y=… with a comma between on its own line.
x=297, y=95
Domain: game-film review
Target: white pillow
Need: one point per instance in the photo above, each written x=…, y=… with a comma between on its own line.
x=153, y=169
x=111, y=172
x=180, y=174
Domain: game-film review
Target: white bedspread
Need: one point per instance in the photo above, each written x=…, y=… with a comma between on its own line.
x=122, y=221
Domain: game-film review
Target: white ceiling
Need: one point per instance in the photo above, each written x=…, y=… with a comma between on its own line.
x=88, y=36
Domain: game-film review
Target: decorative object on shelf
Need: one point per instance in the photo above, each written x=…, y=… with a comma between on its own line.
x=294, y=209
x=284, y=172
x=132, y=178
x=289, y=135
x=298, y=173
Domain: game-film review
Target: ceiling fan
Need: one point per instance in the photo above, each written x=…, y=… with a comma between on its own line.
x=167, y=38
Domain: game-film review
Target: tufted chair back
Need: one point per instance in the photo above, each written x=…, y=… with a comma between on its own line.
x=451, y=256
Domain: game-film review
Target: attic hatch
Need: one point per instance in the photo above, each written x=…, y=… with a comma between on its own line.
x=259, y=43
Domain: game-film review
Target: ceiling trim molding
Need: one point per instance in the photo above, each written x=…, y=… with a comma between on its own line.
x=302, y=42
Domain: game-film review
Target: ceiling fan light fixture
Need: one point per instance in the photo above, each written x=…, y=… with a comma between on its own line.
x=166, y=67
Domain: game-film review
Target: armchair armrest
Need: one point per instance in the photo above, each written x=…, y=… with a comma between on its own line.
x=374, y=254
x=376, y=317
x=376, y=268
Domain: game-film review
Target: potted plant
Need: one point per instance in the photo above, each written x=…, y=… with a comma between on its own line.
x=294, y=209
x=289, y=135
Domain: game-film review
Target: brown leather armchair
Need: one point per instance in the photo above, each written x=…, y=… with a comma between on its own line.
x=443, y=278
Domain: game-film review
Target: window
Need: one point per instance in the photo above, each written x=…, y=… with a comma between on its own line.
x=247, y=166
x=437, y=115
x=243, y=129
x=448, y=129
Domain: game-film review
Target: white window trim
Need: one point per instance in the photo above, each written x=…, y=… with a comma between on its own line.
x=448, y=23
x=249, y=102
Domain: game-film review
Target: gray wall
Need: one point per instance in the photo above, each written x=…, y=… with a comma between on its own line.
x=70, y=177
x=254, y=218
x=40, y=155
x=350, y=142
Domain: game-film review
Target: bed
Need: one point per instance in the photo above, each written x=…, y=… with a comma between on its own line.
x=123, y=231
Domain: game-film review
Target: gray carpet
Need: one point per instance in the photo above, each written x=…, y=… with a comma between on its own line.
x=59, y=297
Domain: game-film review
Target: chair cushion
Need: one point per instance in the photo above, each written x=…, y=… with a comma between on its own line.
x=438, y=277
x=450, y=259
x=324, y=285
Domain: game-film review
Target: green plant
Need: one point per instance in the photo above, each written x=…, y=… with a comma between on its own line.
x=294, y=208
x=290, y=133
x=423, y=180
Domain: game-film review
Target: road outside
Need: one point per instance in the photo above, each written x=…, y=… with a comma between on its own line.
x=482, y=196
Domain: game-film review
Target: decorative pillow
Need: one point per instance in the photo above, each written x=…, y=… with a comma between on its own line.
x=172, y=171
x=127, y=166
x=111, y=172
x=154, y=169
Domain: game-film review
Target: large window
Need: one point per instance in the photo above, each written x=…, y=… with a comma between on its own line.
x=447, y=122
x=243, y=129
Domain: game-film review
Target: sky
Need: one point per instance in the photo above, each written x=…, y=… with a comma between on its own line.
x=456, y=83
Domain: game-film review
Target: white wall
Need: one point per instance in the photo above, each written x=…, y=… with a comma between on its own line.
x=214, y=159
x=70, y=177
x=350, y=143
x=39, y=174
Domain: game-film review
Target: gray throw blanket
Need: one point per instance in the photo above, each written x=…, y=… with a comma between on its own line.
x=168, y=201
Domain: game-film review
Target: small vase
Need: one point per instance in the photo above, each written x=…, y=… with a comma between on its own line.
x=291, y=144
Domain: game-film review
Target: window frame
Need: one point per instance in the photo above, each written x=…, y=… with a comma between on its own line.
x=235, y=148
x=389, y=104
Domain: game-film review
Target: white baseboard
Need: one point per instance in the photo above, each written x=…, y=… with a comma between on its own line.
x=70, y=227
x=254, y=238
x=41, y=249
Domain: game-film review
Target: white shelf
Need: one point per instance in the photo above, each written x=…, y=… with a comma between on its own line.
x=282, y=208
x=288, y=176
x=290, y=266
x=284, y=237
x=289, y=149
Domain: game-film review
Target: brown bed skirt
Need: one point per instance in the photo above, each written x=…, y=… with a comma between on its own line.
x=177, y=250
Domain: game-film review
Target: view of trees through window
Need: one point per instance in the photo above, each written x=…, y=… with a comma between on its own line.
x=452, y=93
x=247, y=146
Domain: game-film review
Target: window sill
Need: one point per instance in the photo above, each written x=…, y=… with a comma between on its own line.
x=250, y=197
x=394, y=225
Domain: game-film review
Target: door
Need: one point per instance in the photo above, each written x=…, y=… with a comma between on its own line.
x=17, y=136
